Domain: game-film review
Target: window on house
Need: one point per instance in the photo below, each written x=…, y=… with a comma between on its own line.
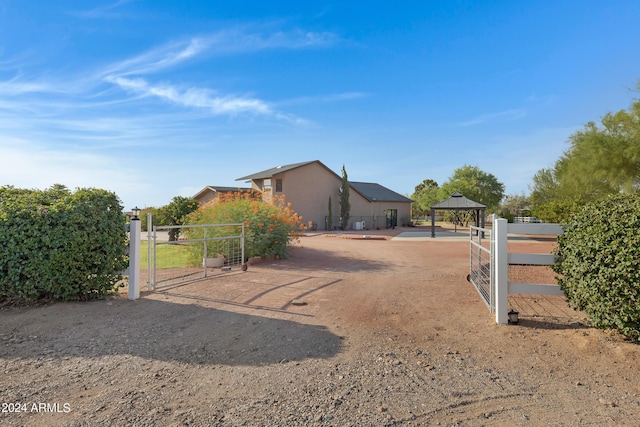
x=266, y=184
x=278, y=185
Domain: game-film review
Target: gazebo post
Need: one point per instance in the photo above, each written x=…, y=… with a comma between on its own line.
x=433, y=224
x=454, y=203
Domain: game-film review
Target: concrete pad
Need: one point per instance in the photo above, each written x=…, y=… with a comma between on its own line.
x=426, y=236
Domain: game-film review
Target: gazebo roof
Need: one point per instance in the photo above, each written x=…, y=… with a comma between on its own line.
x=458, y=202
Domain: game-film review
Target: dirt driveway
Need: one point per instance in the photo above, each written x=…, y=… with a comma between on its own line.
x=390, y=333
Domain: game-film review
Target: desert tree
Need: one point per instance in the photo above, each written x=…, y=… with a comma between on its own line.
x=474, y=184
x=602, y=160
x=424, y=196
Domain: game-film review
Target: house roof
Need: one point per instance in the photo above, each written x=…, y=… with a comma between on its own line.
x=218, y=189
x=458, y=201
x=278, y=169
x=376, y=192
x=369, y=190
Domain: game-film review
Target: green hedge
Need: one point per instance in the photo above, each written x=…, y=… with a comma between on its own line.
x=60, y=245
x=600, y=263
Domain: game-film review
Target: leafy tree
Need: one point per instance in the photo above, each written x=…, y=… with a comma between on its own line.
x=602, y=160
x=514, y=205
x=175, y=212
x=425, y=195
x=345, y=207
x=476, y=185
x=143, y=217
x=545, y=187
x=559, y=210
x=606, y=160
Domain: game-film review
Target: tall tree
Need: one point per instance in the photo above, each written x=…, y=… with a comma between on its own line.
x=602, y=160
x=514, y=205
x=476, y=185
x=345, y=207
x=424, y=196
x=545, y=187
x=175, y=212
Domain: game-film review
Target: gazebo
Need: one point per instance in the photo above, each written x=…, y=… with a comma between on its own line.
x=457, y=202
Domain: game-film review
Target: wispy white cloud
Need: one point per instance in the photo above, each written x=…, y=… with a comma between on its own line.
x=127, y=74
x=228, y=41
x=194, y=97
x=507, y=115
x=334, y=97
x=106, y=11
x=295, y=39
x=20, y=86
x=157, y=59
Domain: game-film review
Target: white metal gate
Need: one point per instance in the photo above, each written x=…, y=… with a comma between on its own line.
x=489, y=264
x=199, y=252
x=481, y=264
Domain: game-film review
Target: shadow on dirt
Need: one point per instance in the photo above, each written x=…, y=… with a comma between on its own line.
x=550, y=324
x=160, y=330
x=314, y=259
x=266, y=294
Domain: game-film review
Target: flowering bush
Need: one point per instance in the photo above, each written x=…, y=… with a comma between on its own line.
x=269, y=227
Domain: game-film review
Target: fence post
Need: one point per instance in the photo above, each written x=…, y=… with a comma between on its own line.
x=500, y=228
x=150, y=242
x=134, y=259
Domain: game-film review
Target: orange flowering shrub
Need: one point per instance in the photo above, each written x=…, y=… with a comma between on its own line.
x=269, y=227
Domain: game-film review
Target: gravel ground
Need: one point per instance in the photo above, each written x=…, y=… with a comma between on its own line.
x=390, y=333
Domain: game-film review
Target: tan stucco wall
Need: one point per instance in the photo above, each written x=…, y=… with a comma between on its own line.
x=308, y=189
x=362, y=207
x=207, y=196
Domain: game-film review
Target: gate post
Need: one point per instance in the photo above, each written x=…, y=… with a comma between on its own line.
x=150, y=238
x=134, y=258
x=501, y=285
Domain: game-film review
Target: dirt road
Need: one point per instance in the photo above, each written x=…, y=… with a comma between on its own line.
x=389, y=333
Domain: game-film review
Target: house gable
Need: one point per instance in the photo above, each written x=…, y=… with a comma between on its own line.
x=210, y=192
x=308, y=186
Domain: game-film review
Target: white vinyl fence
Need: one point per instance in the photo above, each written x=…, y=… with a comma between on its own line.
x=500, y=259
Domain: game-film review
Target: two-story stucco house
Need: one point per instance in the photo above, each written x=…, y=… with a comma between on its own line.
x=308, y=185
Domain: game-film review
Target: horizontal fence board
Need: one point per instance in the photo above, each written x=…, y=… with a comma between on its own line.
x=531, y=259
x=543, y=229
x=534, y=289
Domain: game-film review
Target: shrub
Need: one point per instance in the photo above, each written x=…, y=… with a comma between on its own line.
x=175, y=212
x=269, y=228
x=60, y=245
x=144, y=226
x=600, y=263
x=559, y=211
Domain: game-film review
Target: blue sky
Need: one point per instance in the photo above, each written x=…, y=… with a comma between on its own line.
x=155, y=99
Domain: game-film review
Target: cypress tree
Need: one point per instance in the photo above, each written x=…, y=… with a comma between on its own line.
x=330, y=215
x=345, y=207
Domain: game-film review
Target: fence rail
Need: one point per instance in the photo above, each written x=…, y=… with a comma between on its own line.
x=371, y=222
x=480, y=262
x=205, y=251
x=502, y=258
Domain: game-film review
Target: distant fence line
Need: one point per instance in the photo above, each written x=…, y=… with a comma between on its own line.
x=359, y=222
